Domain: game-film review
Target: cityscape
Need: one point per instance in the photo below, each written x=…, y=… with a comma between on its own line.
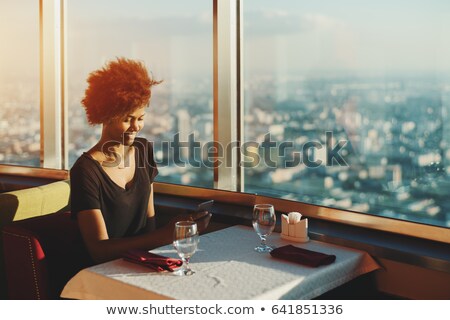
x=398, y=136
x=394, y=137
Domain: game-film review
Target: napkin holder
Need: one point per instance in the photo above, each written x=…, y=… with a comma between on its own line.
x=297, y=232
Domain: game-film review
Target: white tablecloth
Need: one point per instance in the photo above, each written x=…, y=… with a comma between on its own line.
x=226, y=267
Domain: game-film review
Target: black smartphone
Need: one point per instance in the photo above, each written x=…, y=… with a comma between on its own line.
x=205, y=206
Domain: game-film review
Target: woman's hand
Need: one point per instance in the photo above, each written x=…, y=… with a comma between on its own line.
x=202, y=219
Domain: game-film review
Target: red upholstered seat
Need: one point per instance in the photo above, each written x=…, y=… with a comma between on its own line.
x=41, y=255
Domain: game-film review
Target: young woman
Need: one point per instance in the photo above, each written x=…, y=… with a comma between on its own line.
x=111, y=184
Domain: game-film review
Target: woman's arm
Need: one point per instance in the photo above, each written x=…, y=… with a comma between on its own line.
x=151, y=218
x=151, y=205
x=102, y=248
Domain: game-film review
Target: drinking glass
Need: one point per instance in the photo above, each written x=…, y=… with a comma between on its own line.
x=185, y=241
x=264, y=220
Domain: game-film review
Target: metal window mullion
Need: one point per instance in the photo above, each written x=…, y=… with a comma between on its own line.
x=226, y=129
x=239, y=91
x=64, y=88
x=50, y=83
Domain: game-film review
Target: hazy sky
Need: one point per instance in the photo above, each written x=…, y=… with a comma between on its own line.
x=19, y=38
x=352, y=35
x=174, y=37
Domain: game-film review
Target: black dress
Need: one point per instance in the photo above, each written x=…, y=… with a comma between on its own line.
x=124, y=210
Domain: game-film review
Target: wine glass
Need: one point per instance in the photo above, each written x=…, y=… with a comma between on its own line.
x=264, y=220
x=185, y=241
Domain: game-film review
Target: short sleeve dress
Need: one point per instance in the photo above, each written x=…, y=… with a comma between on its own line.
x=124, y=210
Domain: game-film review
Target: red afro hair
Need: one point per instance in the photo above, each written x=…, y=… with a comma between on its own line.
x=121, y=86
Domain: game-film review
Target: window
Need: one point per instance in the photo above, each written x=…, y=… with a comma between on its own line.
x=345, y=105
x=174, y=39
x=19, y=83
x=350, y=102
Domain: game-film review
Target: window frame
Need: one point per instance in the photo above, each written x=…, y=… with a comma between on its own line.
x=227, y=92
x=53, y=105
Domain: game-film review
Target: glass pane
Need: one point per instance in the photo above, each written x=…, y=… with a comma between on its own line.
x=19, y=83
x=374, y=76
x=174, y=39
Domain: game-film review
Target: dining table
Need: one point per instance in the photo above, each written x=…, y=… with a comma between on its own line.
x=226, y=267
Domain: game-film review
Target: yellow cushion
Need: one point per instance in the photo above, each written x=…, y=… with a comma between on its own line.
x=55, y=197
x=32, y=202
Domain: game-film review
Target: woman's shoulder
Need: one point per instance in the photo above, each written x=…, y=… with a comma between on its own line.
x=85, y=163
x=145, y=156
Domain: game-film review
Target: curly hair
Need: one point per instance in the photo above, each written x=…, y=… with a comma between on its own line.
x=121, y=86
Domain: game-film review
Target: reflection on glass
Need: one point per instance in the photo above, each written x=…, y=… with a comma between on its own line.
x=357, y=111
x=174, y=39
x=19, y=83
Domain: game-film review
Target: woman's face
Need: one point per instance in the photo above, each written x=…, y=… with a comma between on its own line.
x=126, y=128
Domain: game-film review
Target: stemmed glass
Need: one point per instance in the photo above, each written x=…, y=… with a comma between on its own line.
x=185, y=241
x=264, y=220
